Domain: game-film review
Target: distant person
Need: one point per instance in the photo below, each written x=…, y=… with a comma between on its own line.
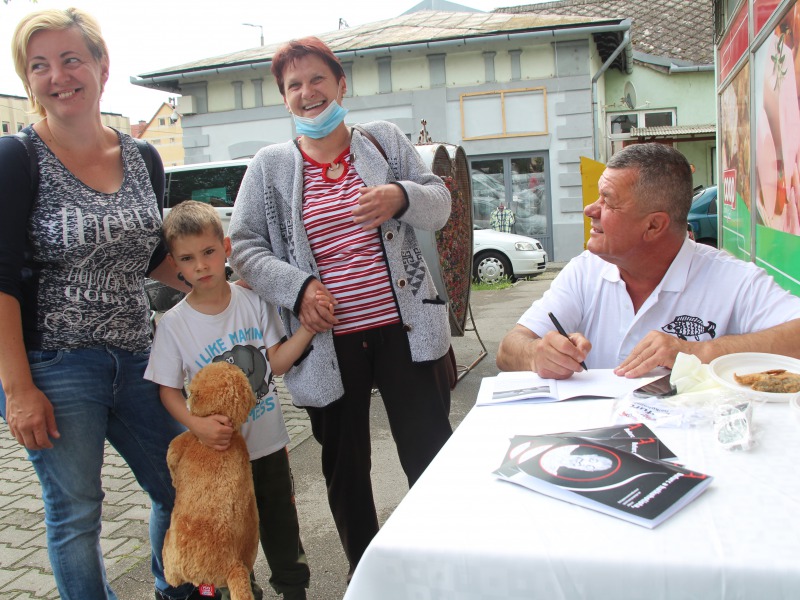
x=643, y=291
x=502, y=219
x=220, y=321
x=74, y=253
x=332, y=215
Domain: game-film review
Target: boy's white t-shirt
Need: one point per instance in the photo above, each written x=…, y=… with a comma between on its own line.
x=187, y=340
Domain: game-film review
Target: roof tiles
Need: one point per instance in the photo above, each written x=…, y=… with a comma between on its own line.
x=680, y=29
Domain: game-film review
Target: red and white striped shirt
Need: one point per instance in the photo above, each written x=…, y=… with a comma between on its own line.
x=350, y=260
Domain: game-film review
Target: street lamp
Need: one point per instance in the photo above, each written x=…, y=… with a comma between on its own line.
x=260, y=27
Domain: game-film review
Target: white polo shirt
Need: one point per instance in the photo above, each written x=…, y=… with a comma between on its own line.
x=706, y=293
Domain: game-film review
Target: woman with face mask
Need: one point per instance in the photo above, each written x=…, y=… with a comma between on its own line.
x=324, y=227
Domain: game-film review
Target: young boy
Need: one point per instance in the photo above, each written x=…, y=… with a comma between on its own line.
x=220, y=321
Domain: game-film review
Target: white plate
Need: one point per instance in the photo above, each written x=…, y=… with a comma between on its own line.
x=745, y=363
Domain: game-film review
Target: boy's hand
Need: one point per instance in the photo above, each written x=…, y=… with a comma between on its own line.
x=214, y=431
x=313, y=315
x=325, y=301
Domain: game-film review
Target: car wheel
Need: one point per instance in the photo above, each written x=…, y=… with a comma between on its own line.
x=491, y=267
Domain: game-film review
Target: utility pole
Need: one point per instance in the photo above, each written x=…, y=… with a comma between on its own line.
x=260, y=27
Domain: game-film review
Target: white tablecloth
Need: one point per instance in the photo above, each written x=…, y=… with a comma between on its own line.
x=462, y=534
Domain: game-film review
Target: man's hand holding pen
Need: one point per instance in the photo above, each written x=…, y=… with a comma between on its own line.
x=558, y=357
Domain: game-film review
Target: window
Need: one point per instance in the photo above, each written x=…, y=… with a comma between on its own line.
x=658, y=119
x=620, y=124
x=162, y=121
x=504, y=113
x=216, y=185
x=20, y=126
x=6, y=127
x=520, y=182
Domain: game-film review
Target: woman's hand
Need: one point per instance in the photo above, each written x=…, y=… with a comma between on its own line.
x=378, y=204
x=31, y=419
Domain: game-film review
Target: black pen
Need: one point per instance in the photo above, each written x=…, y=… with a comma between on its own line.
x=564, y=333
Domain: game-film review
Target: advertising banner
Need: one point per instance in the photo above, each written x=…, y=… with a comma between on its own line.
x=776, y=82
x=735, y=140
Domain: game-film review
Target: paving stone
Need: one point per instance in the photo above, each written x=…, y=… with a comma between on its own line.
x=18, y=473
x=11, y=555
x=37, y=559
x=21, y=518
x=121, y=497
x=129, y=529
x=17, y=537
x=28, y=503
x=139, y=512
x=12, y=488
x=124, y=564
x=33, y=581
x=108, y=545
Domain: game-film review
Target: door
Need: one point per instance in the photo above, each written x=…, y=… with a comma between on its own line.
x=520, y=181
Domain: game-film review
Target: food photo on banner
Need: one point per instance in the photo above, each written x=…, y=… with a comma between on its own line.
x=735, y=138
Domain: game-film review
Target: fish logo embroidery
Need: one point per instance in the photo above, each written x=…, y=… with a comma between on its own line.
x=685, y=326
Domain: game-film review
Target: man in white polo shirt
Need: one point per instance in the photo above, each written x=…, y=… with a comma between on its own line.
x=643, y=291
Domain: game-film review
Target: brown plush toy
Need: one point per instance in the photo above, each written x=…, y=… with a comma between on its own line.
x=213, y=535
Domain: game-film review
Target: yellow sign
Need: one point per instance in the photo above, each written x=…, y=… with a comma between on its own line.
x=590, y=175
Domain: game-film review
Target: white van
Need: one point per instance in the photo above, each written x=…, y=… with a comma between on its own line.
x=216, y=183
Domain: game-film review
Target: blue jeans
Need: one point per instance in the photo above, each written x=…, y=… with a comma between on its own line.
x=99, y=393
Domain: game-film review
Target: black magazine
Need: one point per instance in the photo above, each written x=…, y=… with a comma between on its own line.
x=636, y=438
x=599, y=476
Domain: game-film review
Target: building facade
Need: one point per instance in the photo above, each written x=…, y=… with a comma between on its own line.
x=669, y=94
x=518, y=92
x=165, y=132
x=15, y=114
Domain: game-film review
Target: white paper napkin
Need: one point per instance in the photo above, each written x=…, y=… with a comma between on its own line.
x=690, y=376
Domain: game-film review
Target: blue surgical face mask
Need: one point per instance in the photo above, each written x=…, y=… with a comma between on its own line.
x=321, y=125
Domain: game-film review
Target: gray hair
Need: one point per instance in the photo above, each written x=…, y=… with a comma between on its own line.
x=664, y=179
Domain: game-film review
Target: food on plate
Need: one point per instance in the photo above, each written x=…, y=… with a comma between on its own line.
x=778, y=381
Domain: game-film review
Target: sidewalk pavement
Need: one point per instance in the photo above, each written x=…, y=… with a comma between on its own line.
x=25, y=572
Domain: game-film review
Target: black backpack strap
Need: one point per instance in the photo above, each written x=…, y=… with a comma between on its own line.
x=33, y=160
x=147, y=155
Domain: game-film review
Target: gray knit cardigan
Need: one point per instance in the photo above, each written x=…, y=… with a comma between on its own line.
x=272, y=253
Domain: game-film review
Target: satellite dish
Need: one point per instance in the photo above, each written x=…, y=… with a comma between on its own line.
x=629, y=95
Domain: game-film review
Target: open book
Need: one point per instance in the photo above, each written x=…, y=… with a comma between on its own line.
x=600, y=477
x=527, y=386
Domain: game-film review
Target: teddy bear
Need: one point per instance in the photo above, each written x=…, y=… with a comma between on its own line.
x=213, y=534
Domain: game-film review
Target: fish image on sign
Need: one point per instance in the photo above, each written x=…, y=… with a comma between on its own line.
x=448, y=252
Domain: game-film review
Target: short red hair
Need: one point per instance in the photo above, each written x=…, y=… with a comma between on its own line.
x=297, y=49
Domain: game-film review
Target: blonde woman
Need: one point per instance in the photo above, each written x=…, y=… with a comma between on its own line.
x=74, y=331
